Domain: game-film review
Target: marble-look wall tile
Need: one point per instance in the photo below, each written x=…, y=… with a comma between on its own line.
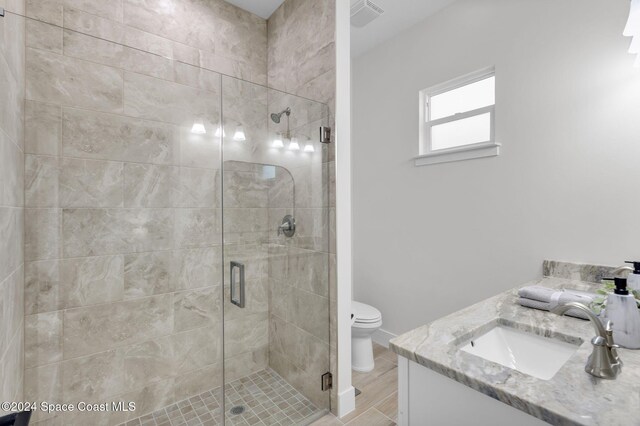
x=112, y=137
x=256, y=299
x=12, y=96
x=41, y=35
x=197, y=308
x=42, y=234
x=146, y=274
x=281, y=189
x=282, y=299
x=151, y=43
x=246, y=220
x=148, y=399
x=246, y=363
x=11, y=307
x=68, y=81
x=198, y=381
x=312, y=314
x=92, y=280
x=148, y=185
x=12, y=367
x=198, y=188
x=89, y=48
x=245, y=189
x=93, y=377
x=43, y=128
x=195, y=76
x=149, y=361
x=147, y=63
x=92, y=329
x=41, y=181
x=200, y=151
x=12, y=31
x=91, y=232
x=42, y=339
x=299, y=32
x=199, y=267
x=155, y=99
x=11, y=173
x=245, y=333
x=93, y=25
x=91, y=184
x=245, y=33
x=45, y=10
x=185, y=54
x=308, y=271
x=112, y=10
x=197, y=348
x=94, y=49
x=42, y=287
x=197, y=228
x=44, y=383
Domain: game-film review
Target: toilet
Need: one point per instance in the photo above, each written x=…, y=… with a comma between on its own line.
x=364, y=322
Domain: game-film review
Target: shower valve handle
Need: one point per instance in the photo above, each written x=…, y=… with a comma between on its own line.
x=288, y=226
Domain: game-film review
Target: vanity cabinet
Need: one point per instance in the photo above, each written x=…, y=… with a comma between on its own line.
x=427, y=398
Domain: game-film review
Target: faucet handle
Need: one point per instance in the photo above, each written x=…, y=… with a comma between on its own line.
x=611, y=343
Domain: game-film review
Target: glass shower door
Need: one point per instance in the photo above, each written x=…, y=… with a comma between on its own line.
x=276, y=261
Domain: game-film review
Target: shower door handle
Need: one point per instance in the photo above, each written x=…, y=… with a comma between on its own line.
x=237, y=294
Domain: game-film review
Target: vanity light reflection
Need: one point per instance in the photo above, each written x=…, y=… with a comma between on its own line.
x=239, y=134
x=198, y=128
x=632, y=29
x=294, y=145
x=277, y=142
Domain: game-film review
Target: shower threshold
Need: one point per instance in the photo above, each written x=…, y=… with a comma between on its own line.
x=266, y=397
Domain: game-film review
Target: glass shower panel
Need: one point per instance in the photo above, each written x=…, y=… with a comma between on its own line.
x=276, y=261
x=123, y=252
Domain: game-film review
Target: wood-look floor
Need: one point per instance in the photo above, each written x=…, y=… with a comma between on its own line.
x=377, y=405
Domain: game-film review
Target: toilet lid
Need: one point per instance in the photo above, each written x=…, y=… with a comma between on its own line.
x=365, y=313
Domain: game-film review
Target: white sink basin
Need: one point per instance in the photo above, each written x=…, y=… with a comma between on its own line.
x=528, y=353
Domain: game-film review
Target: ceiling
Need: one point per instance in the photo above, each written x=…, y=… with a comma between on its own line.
x=398, y=16
x=262, y=8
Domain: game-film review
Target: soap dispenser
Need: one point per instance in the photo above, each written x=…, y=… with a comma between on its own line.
x=622, y=311
x=633, y=280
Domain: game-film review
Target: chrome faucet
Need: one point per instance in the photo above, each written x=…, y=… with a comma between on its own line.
x=603, y=361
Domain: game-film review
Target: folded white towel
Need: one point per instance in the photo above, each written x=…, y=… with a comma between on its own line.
x=550, y=295
x=537, y=292
x=544, y=306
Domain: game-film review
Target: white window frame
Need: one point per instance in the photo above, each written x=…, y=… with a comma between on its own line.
x=428, y=155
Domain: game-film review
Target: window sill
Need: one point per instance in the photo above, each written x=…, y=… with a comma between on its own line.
x=459, y=154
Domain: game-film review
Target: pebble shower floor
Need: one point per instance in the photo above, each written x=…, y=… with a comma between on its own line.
x=266, y=397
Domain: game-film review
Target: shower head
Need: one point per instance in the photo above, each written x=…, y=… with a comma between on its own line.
x=275, y=117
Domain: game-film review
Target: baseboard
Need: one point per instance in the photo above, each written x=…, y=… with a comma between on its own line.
x=346, y=401
x=382, y=337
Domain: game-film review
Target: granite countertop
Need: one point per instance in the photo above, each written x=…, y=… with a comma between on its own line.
x=571, y=397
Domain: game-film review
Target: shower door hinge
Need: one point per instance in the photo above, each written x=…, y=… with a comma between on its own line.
x=325, y=134
x=1, y=11
x=327, y=381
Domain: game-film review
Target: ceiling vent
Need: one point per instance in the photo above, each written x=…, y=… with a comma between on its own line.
x=363, y=12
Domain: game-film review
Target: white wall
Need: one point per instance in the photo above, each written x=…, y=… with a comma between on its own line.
x=431, y=240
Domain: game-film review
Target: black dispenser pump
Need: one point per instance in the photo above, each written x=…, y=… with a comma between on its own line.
x=636, y=266
x=621, y=286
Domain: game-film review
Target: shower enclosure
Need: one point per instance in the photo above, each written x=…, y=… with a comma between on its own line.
x=159, y=267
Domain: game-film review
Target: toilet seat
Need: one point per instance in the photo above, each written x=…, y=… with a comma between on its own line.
x=365, y=314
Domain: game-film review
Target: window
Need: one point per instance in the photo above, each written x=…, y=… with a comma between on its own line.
x=457, y=119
